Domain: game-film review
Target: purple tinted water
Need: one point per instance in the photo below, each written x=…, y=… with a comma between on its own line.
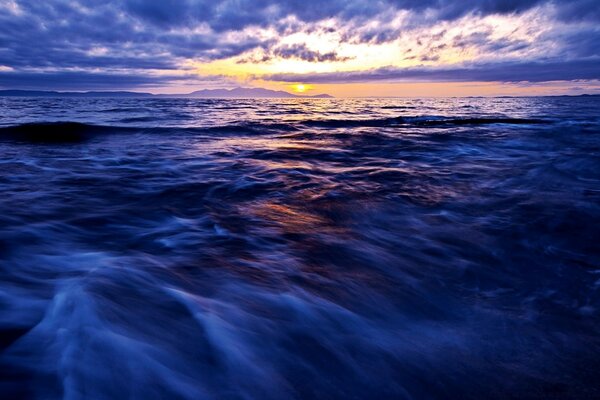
x=271, y=249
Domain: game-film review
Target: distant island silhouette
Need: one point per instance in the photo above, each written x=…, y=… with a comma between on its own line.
x=236, y=93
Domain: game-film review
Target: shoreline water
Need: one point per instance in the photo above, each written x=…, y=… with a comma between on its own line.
x=424, y=248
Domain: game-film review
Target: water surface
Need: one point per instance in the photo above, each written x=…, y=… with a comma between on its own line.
x=278, y=249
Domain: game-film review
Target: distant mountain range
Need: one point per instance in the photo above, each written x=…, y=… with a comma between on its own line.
x=250, y=93
x=237, y=93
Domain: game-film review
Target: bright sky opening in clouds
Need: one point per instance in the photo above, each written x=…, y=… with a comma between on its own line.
x=342, y=47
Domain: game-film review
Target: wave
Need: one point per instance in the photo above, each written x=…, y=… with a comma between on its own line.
x=248, y=128
x=56, y=132
x=421, y=121
x=74, y=132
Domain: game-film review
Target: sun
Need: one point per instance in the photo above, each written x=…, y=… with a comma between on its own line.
x=300, y=88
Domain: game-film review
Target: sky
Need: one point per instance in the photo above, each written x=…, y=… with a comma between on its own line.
x=347, y=48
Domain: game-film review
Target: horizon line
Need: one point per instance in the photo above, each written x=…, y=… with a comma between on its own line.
x=296, y=96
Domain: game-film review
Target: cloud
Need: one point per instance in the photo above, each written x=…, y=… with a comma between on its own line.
x=296, y=51
x=75, y=80
x=147, y=40
x=78, y=80
x=302, y=52
x=63, y=34
x=237, y=14
x=492, y=72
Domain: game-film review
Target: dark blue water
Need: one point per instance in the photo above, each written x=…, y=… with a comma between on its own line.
x=281, y=249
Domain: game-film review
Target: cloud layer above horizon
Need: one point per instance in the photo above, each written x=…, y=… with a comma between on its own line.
x=137, y=44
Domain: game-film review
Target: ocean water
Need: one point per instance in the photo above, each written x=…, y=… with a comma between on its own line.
x=300, y=249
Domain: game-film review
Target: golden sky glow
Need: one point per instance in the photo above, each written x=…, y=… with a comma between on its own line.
x=470, y=39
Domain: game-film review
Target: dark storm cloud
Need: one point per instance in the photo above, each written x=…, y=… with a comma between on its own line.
x=296, y=51
x=59, y=34
x=580, y=43
x=302, y=52
x=499, y=72
x=236, y=14
x=578, y=10
x=137, y=35
x=76, y=80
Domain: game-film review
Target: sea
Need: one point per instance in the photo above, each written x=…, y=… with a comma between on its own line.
x=164, y=248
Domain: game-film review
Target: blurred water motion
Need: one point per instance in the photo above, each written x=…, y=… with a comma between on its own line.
x=270, y=249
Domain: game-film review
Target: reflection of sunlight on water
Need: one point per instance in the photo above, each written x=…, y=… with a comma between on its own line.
x=292, y=220
x=296, y=219
x=218, y=147
x=273, y=143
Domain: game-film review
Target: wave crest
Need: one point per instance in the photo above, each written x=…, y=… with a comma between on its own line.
x=420, y=121
x=76, y=132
